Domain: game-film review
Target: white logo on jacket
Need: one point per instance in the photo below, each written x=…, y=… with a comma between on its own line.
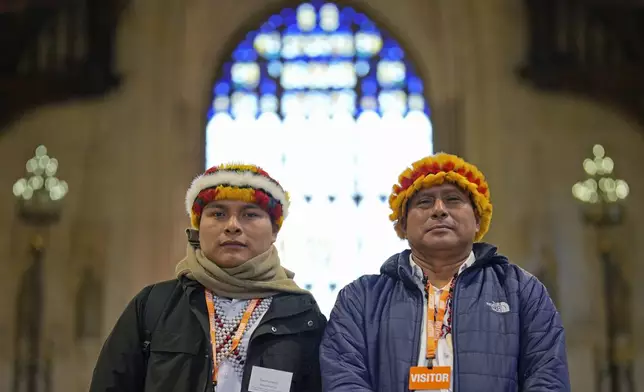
x=499, y=307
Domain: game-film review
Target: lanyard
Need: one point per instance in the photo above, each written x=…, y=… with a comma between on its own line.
x=243, y=324
x=435, y=316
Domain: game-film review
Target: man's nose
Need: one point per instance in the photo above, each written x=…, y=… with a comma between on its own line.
x=232, y=225
x=439, y=211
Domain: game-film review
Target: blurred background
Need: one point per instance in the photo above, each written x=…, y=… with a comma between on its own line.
x=109, y=109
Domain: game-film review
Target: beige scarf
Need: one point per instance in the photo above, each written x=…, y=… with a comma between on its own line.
x=260, y=277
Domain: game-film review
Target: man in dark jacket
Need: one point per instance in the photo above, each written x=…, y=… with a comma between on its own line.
x=449, y=314
x=233, y=320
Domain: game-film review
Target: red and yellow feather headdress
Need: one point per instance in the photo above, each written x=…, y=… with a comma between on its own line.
x=234, y=181
x=435, y=170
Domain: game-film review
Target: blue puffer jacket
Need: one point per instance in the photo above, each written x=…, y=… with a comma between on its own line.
x=373, y=335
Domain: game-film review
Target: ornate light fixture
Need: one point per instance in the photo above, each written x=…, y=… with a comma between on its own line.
x=40, y=193
x=601, y=193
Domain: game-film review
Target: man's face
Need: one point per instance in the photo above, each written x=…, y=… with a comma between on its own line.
x=232, y=232
x=441, y=218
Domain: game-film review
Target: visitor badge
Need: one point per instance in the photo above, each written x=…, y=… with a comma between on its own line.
x=422, y=378
x=269, y=380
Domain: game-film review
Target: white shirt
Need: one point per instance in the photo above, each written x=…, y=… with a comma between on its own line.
x=444, y=353
x=227, y=379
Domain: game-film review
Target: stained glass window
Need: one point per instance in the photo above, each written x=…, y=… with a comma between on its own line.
x=331, y=106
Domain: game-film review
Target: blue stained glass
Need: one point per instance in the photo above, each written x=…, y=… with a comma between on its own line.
x=415, y=85
x=274, y=68
x=221, y=88
x=367, y=25
x=267, y=27
x=338, y=49
x=251, y=35
x=225, y=72
x=289, y=16
x=245, y=52
x=268, y=87
x=362, y=68
x=317, y=30
x=360, y=19
x=391, y=50
x=369, y=87
x=292, y=30
x=276, y=20
x=347, y=14
x=344, y=28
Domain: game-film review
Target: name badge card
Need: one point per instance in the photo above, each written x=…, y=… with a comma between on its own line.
x=269, y=380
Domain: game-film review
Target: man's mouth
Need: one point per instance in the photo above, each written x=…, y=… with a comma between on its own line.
x=233, y=244
x=437, y=227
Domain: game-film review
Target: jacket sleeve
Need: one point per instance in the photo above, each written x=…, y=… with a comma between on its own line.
x=543, y=365
x=343, y=350
x=121, y=364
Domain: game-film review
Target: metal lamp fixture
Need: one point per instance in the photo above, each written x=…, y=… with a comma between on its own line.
x=40, y=192
x=601, y=193
x=602, y=196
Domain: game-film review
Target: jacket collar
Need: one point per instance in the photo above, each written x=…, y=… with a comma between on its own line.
x=398, y=266
x=417, y=272
x=284, y=305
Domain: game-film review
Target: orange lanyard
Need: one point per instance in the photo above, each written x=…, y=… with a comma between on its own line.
x=243, y=324
x=435, y=316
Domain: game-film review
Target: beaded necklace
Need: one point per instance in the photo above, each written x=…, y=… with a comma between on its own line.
x=445, y=328
x=227, y=334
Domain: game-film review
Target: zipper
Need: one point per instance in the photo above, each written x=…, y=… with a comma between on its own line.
x=209, y=356
x=204, y=322
x=209, y=385
x=454, y=334
x=249, y=350
x=416, y=350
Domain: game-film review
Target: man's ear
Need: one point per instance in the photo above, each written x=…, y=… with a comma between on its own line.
x=193, y=238
x=478, y=221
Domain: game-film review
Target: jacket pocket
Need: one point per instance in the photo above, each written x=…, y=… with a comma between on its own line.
x=296, y=354
x=173, y=342
x=175, y=364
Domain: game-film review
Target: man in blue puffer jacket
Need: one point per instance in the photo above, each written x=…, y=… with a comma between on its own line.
x=450, y=314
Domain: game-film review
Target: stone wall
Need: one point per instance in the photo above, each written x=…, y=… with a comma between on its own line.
x=129, y=157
